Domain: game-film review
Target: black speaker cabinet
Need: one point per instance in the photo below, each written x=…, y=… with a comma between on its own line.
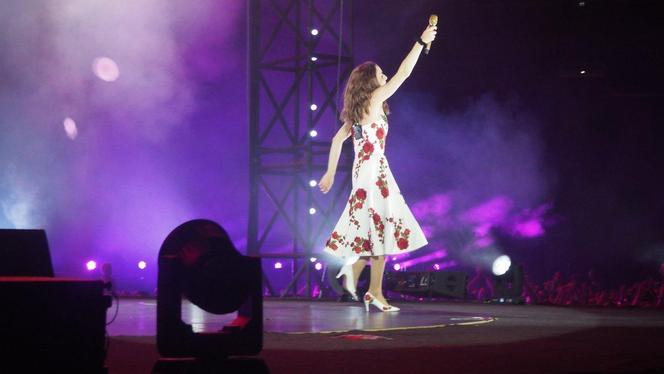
x=52, y=325
x=428, y=283
x=24, y=253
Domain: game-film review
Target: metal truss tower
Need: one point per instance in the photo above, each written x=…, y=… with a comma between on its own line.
x=300, y=52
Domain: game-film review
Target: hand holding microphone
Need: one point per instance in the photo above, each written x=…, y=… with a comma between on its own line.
x=429, y=33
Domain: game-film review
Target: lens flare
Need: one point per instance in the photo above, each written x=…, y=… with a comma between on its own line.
x=70, y=128
x=105, y=69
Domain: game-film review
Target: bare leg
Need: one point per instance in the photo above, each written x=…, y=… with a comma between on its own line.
x=377, y=271
x=358, y=266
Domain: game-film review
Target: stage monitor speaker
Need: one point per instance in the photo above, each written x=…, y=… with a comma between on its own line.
x=52, y=325
x=24, y=253
x=47, y=324
x=428, y=283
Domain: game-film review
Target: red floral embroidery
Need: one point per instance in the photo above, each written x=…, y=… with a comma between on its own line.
x=362, y=245
x=376, y=217
x=356, y=202
x=357, y=245
x=335, y=240
x=366, y=150
x=402, y=243
x=379, y=226
x=382, y=179
x=401, y=235
x=362, y=217
x=357, y=199
x=380, y=134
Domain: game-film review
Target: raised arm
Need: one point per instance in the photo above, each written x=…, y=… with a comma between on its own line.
x=384, y=92
x=335, y=151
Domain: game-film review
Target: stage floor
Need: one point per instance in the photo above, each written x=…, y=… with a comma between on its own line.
x=137, y=317
x=432, y=337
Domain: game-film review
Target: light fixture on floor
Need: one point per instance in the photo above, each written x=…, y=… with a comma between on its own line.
x=198, y=261
x=507, y=281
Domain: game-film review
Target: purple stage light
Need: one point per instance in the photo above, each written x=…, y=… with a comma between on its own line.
x=441, y=253
x=70, y=128
x=105, y=69
x=482, y=230
x=142, y=265
x=447, y=264
x=428, y=230
x=484, y=242
x=437, y=206
x=530, y=223
x=436, y=267
x=529, y=229
x=396, y=267
x=489, y=213
x=318, y=266
x=91, y=265
x=278, y=265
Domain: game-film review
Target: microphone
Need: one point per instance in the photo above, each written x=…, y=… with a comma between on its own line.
x=433, y=21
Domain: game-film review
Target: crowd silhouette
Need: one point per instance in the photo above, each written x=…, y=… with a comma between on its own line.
x=585, y=290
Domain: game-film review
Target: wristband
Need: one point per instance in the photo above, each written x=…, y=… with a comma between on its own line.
x=420, y=42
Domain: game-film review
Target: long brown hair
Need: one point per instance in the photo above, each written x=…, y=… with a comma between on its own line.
x=361, y=84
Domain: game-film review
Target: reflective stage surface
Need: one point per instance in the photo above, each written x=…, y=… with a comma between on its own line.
x=429, y=337
x=137, y=317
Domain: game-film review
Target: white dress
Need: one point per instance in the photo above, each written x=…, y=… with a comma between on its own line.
x=376, y=220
